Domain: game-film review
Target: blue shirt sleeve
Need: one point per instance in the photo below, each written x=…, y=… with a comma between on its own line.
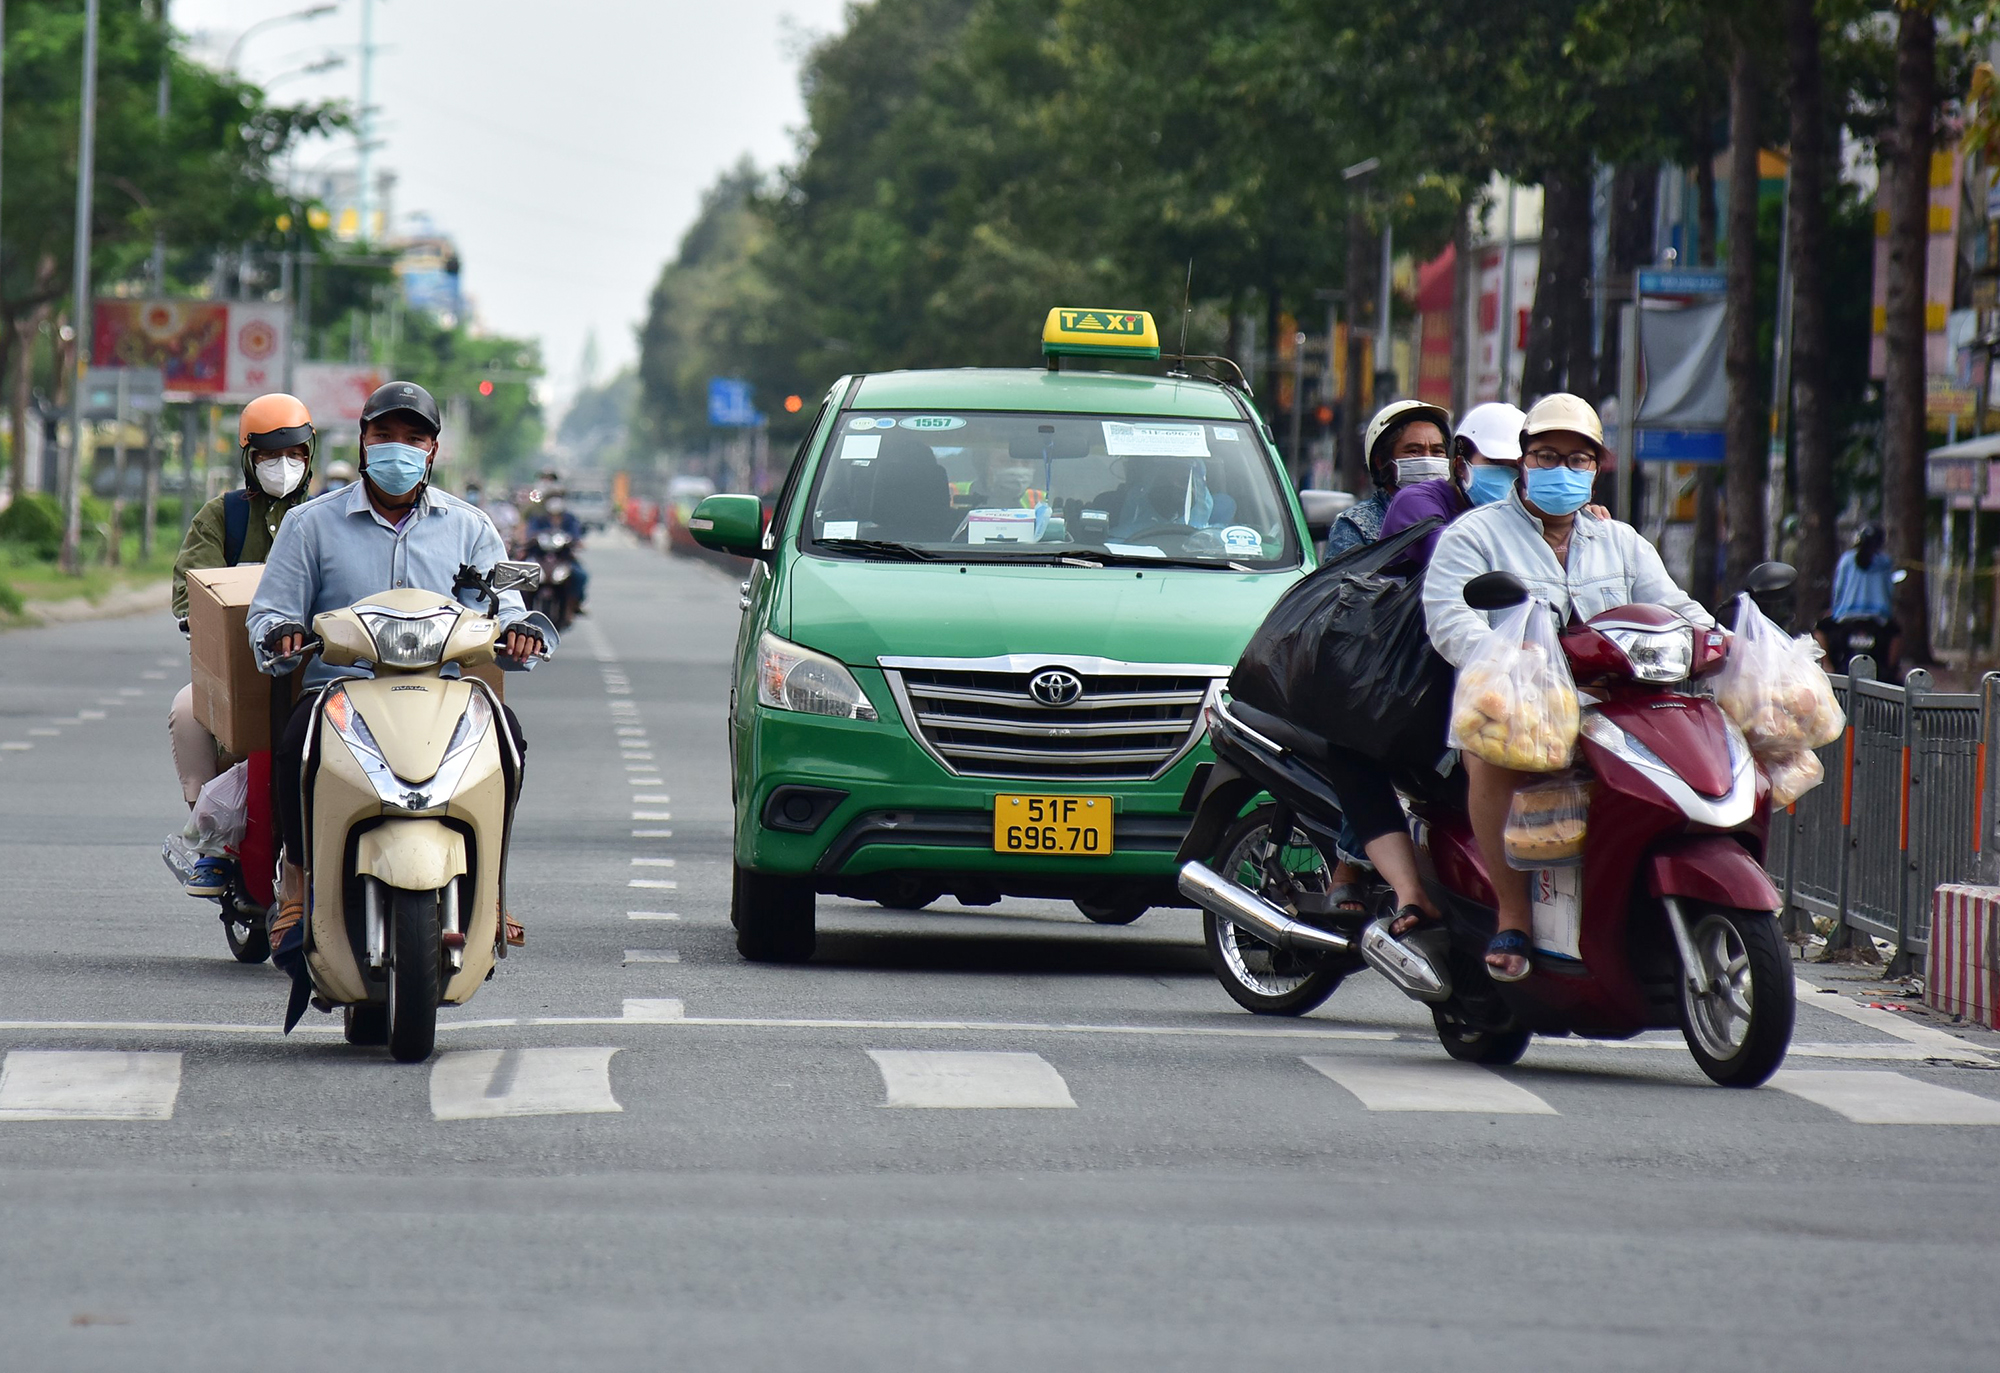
x=288, y=589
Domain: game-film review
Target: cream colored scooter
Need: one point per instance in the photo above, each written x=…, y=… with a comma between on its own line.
x=410, y=782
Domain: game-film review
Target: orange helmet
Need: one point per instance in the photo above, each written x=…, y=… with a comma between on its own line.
x=274, y=421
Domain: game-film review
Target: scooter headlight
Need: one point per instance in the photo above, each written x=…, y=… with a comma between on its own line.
x=1656, y=655
x=408, y=640
x=793, y=678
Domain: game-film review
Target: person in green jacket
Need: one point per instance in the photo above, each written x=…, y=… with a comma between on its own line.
x=275, y=437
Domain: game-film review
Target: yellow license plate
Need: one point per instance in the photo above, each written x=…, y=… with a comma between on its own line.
x=1070, y=825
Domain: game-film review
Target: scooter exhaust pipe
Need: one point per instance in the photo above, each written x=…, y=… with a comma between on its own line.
x=1208, y=889
x=1410, y=969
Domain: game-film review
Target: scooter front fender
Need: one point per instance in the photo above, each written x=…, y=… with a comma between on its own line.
x=1712, y=868
x=416, y=855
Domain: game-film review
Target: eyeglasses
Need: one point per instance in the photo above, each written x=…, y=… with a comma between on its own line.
x=1583, y=460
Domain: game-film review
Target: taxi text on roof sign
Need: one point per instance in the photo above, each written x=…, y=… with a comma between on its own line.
x=1102, y=333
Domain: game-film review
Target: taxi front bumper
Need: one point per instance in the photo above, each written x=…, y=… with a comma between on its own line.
x=854, y=803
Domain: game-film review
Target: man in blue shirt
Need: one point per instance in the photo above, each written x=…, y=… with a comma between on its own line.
x=1864, y=588
x=555, y=517
x=389, y=529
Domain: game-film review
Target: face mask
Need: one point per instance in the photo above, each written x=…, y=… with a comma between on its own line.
x=1489, y=484
x=280, y=476
x=396, y=467
x=1410, y=471
x=1559, y=491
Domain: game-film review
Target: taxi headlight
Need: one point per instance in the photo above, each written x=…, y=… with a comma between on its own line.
x=406, y=640
x=793, y=678
x=1659, y=655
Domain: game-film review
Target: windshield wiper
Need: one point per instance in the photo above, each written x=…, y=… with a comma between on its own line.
x=883, y=548
x=1092, y=557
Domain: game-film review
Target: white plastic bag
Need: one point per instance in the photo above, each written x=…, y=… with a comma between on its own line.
x=1515, y=703
x=221, y=814
x=1792, y=776
x=1775, y=690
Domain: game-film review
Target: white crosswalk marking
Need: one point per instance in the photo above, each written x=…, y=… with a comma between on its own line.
x=1429, y=1085
x=1877, y=1098
x=49, y=1084
x=480, y=1084
x=654, y=1008
x=961, y=1080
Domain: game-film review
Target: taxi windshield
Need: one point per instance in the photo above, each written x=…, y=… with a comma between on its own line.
x=1050, y=488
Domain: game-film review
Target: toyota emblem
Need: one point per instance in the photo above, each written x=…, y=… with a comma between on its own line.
x=1055, y=686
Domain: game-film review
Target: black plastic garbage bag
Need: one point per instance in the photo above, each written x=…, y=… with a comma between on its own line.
x=1346, y=655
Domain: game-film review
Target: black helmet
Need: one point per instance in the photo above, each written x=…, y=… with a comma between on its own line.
x=1870, y=533
x=402, y=395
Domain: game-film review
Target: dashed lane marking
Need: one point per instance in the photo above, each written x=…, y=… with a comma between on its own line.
x=90, y=715
x=653, y=884
x=970, y=1080
x=69, y=1084
x=485, y=1084
x=130, y=691
x=656, y=799
x=1429, y=1085
x=16, y=746
x=652, y=915
x=1873, y=1097
x=45, y=733
x=652, y=956
x=652, y=862
x=652, y=815
x=652, y=834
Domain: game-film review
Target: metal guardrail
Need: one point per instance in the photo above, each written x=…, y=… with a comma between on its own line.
x=1908, y=805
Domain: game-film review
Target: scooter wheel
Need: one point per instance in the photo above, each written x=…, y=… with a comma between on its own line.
x=248, y=940
x=1489, y=1048
x=1259, y=978
x=1739, y=1030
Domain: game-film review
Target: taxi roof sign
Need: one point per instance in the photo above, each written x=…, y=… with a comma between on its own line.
x=1099, y=333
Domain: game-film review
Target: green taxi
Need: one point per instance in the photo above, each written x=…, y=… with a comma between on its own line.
x=981, y=627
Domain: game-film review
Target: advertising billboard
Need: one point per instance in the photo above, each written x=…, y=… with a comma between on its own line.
x=218, y=350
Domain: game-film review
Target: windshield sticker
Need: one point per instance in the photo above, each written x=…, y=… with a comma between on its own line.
x=932, y=422
x=1006, y=526
x=1148, y=440
x=862, y=422
x=1223, y=431
x=840, y=529
x=1241, y=541
x=1134, y=550
x=860, y=447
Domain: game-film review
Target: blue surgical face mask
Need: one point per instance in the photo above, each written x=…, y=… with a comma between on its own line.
x=395, y=467
x=1558, y=490
x=1489, y=484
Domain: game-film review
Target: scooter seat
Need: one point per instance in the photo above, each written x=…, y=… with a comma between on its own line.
x=1280, y=731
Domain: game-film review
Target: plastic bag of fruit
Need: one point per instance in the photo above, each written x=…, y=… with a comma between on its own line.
x=1774, y=689
x=1515, y=703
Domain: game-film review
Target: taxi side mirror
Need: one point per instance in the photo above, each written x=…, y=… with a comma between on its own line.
x=1322, y=508
x=729, y=524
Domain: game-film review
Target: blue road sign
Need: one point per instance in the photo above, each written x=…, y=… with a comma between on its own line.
x=1699, y=281
x=1680, y=445
x=729, y=403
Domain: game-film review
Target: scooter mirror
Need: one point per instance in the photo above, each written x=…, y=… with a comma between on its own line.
x=1770, y=587
x=512, y=576
x=1495, y=591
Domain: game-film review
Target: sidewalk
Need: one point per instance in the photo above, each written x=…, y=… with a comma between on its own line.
x=128, y=600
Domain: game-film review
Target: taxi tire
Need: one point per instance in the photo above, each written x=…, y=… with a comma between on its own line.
x=1112, y=912
x=774, y=916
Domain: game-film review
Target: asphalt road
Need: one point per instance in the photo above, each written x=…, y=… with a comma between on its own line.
x=999, y=1139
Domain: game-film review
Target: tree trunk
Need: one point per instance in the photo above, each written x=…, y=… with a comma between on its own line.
x=1805, y=231
x=1464, y=290
x=1743, y=431
x=1562, y=307
x=1359, y=289
x=1634, y=201
x=1907, y=189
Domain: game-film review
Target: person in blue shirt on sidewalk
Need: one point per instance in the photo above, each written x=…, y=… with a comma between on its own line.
x=1864, y=588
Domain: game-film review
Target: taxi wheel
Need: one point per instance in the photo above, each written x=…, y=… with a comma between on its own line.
x=908, y=894
x=1112, y=912
x=773, y=916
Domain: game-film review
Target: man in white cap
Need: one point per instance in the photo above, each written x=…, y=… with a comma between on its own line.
x=1407, y=442
x=1581, y=566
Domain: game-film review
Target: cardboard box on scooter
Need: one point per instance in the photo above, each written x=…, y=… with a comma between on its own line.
x=231, y=697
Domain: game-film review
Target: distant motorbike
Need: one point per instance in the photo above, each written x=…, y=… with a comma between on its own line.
x=555, y=551
x=1667, y=918
x=1855, y=637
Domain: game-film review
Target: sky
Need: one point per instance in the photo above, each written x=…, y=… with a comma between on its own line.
x=564, y=145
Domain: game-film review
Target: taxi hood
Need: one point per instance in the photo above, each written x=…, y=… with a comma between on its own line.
x=861, y=611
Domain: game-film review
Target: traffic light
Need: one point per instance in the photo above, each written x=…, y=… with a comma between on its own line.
x=793, y=404
x=485, y=388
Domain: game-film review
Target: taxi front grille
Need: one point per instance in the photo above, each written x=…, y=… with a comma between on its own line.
x=1130, y=722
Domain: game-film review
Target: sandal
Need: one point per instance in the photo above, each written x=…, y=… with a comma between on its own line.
x=1348, y=898
x=517, y=933
x=1419, y=918
x=1508, y=944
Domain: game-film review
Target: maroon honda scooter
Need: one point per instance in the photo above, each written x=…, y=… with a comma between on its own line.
x=1668, y=919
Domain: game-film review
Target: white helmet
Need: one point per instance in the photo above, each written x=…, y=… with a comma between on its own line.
x=1398, y=413
x=1494, y=429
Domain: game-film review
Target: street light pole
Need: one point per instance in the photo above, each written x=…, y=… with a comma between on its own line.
x=364, y=127
x=80, y=312
x=295, y=17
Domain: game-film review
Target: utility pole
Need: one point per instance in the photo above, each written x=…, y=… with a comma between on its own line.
x=80, y=313
x=1507, y=300
x=364, y=127
x=1385, y=357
